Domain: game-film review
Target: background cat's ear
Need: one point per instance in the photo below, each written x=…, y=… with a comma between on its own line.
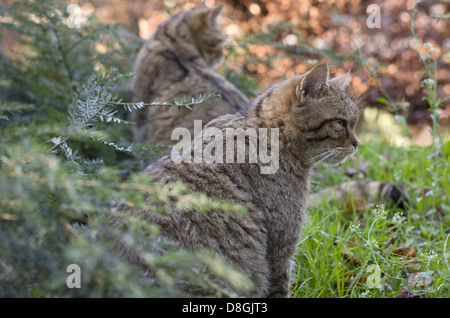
x=214, y=16
x=205, y=17
x=314, y=83
x=343, y=81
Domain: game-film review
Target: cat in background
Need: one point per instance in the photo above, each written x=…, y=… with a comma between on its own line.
x=369, y=192
x=177, y=61
x=316, y=122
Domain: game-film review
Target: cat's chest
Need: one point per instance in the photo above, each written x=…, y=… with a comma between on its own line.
x=284, y=198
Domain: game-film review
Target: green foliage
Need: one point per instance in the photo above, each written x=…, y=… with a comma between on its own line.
x=53, y=60
x=67, y=163
x=408, y=249
x=339, y=243
x=44, y=208
x=379, y=251
x=48, y=63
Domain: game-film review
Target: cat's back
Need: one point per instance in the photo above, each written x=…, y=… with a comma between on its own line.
x=179, y=61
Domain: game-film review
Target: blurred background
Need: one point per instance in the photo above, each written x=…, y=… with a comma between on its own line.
x=301, y=33
x=271, y=40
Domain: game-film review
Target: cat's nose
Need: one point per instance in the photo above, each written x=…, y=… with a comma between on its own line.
x=355, y=144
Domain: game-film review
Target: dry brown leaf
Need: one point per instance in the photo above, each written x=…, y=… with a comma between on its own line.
x=407, y=254
x=408, y=293
x=355, y=206
x=347, y=254
x=405, y=251
x=416, y=280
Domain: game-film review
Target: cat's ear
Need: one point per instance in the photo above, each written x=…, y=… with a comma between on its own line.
x=205, y=17
x=314, y=83
x=343, y=81
x=214, y=15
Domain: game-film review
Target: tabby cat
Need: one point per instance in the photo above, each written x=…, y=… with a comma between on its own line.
x=369, y=192
x=179, y=60
x=315, y=120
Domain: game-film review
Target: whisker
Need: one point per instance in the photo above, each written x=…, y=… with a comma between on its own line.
x=335, y=160
x=322, y=154
x=361, y=95
x=356, y=98
x=332, y=158
x=361, y=100
x=327, y=156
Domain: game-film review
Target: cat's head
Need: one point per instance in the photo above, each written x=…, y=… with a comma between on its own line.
x=196, y=33
x=315, y=115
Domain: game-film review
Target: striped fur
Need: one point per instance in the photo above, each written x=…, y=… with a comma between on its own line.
x=369, y=191
x=316, y=122
x=179, y=60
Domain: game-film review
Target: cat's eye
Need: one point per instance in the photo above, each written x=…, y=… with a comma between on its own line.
x=340, y=122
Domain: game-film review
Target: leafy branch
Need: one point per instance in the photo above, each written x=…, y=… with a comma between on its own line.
x=13, y=108
x=94, y=103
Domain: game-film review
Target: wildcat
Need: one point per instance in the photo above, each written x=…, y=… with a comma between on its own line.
x=179, y=60
x=316, y=122
x=368, y=191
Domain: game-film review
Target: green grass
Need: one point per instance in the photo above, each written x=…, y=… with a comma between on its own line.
x=339, y=246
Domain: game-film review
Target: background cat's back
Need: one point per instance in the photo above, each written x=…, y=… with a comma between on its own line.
x=179, y=61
